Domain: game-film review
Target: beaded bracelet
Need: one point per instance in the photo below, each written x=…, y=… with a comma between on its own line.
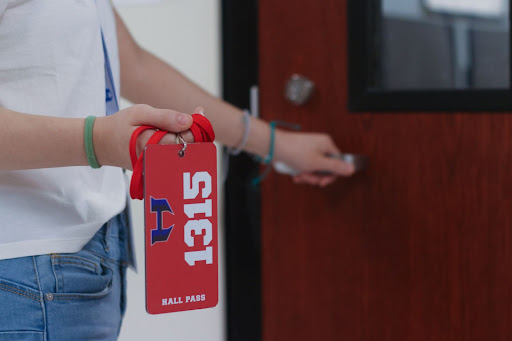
x=245, y=137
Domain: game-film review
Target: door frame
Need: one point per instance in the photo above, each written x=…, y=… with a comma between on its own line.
x=242, y=198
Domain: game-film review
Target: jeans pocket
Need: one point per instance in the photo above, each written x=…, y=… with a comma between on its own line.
x=21, y=312
x=81, y=275
x=22, y=336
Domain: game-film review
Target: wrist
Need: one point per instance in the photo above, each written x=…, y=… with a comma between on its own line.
x=99, y=141
x=280, y=145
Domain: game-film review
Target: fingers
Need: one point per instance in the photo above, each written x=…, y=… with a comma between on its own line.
x=169, y=120
x=169, y=138
x=199, y=110
x=164, y=119
x=313, y=179
x=329, y=164
x=334, y=166
x=327, y=145
x=307, y=178
x=143, y=140
x=309, y=154
x=327, y=180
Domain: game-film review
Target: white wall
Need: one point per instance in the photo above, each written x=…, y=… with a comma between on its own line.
x=185, y=33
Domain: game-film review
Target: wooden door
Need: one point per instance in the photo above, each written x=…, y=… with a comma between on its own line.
x=419, y=247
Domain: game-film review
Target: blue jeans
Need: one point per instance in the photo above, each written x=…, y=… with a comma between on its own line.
x=79, y=296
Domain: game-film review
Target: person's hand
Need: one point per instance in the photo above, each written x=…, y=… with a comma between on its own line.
x=111, y=134
x=308, y=154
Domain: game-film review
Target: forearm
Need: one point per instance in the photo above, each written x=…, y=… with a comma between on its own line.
x=160, y=85
x=147, y=79
x=32, y=141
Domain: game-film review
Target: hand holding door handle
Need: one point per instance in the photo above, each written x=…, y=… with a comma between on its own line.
x=359, y=161
x=312, y=158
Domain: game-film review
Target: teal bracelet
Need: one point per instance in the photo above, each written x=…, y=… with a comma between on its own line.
x=89, y=147
x=270, y=156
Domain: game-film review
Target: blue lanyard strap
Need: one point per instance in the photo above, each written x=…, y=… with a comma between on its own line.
x=112, y=106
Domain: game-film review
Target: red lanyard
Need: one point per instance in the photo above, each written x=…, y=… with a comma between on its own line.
x=201, y=129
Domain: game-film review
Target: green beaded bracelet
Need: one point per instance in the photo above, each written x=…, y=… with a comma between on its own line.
x=89, y=147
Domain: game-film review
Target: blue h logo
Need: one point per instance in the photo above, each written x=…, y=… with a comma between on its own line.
x=160, y=234
x=108, y=95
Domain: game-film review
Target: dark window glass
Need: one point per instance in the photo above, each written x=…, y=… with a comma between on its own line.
x=441, y=45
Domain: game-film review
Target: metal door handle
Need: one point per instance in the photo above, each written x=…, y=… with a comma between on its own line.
x=359, y=161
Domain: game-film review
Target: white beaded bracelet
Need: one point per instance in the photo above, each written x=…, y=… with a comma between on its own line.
x=247, y=126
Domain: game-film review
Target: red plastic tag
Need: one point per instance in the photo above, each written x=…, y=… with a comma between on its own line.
x=180, y=209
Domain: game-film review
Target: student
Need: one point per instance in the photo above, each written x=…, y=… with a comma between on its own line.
x=63, y=235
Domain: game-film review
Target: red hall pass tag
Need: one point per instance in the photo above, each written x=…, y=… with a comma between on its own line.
x=180, y=210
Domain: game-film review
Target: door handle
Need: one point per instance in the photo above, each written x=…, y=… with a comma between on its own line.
x=359, y=161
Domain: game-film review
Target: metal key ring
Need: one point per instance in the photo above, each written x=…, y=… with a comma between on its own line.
x=181, y=153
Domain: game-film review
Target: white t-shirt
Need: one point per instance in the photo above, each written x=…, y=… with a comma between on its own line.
x=52, y=63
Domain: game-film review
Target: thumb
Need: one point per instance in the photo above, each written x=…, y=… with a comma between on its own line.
x=334, y=166
x=169, y=120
